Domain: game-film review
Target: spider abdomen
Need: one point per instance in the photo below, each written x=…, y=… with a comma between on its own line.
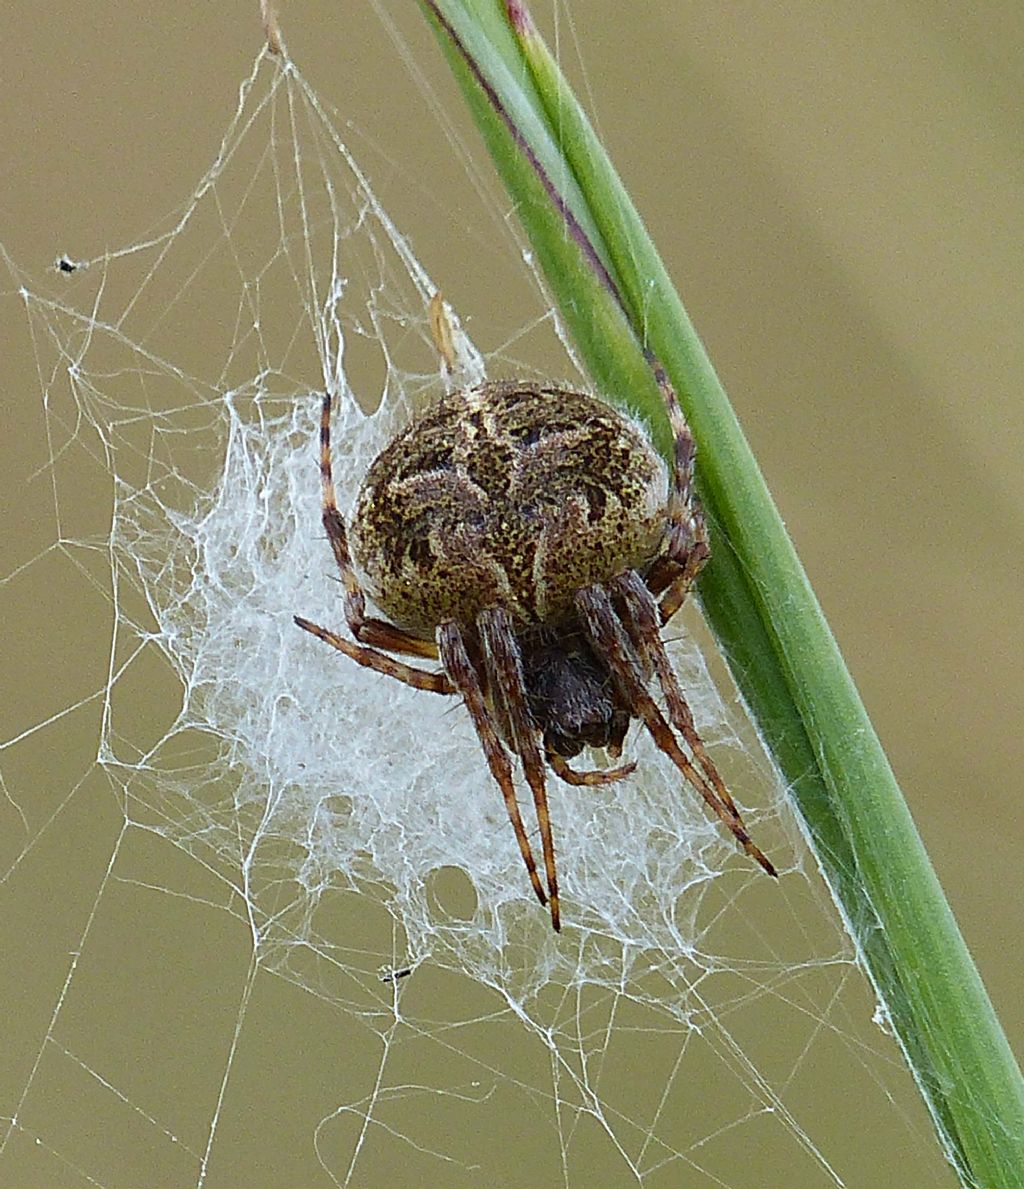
x=509, y=494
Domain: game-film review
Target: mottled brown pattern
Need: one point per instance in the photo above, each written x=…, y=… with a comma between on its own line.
x=521, y=535
x=513, y=494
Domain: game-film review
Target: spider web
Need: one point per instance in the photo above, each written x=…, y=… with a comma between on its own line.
x=285, y=886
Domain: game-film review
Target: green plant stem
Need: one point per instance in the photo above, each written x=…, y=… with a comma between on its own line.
x=622, y=310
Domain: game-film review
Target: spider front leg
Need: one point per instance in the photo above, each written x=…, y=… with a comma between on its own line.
x=642, y=618
x=611, y=642
x=508, y=685
x=459, y=667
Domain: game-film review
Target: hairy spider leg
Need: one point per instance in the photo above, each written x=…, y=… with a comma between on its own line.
x=561, y=768
x=459, y=667
x=642, y=610
x=371, y=658
x=373, y=634
x=504, y=664
x=611, y=642
x=686, y=545
x=686, y=552
x=377, y=633
x=693, y=555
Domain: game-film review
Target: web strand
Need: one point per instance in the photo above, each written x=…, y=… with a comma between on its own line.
x=321, y=821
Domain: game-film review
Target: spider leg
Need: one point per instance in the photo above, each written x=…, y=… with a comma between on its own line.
x=459, y=667
x=334, y=525
x=643, y=611
x=679, y=587
x=686, y=547
x=505, y=669
x=378, y=633
x=609, y=638
x=561, y=768
x=370, y=658
x=373, y=632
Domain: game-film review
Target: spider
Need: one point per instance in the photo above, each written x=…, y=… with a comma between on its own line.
x=531, y=539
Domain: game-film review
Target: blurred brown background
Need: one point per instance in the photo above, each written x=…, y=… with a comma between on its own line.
x=837, y=193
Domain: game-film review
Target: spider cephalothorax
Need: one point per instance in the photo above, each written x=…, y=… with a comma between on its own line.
x=533, y=540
